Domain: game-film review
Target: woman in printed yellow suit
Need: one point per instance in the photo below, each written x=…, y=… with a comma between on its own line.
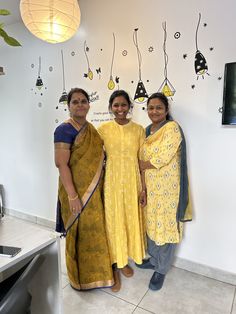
x=165, y=188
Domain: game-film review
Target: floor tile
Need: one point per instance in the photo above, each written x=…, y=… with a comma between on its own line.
x=133, y=289
x=94, y=301
x=187, y=293
x=234, y=303
x=63, y=257
x=64, y=280
x=138, y=310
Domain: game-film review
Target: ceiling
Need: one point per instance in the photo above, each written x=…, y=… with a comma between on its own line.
x=13, y=7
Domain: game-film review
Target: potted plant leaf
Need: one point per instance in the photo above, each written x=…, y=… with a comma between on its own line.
x=8, y=39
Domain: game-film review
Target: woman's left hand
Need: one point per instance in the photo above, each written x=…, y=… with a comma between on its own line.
x=142, y=165
x=143, y=198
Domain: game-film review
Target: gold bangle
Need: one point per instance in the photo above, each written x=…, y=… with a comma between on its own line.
x=73, y=198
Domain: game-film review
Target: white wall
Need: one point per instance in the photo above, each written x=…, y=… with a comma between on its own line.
x=26, y=131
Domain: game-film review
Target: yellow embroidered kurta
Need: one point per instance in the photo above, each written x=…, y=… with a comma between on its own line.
x=162, y=149
x=124, y=223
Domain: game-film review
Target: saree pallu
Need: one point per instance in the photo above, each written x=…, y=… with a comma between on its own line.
x=87, y=256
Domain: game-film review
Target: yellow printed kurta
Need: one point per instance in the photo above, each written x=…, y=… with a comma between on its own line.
x=162, y=149
x=124, y=223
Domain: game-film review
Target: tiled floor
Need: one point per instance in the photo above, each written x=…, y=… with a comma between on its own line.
x=183, y=293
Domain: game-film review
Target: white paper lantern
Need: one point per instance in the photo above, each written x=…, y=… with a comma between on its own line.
x=53, y=21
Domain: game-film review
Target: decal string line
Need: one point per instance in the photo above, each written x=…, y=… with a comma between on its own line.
x=135, y=40
x=63, y=70
x=39, y=71
x=85, y=47
x=164, y=49
x=199, y=19
x=113, y=54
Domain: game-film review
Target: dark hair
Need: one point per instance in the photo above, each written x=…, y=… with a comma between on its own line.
x=163, y=99
x=118, y=93
x=76, y=90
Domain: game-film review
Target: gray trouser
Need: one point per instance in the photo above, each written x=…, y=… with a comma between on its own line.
x=162, y=256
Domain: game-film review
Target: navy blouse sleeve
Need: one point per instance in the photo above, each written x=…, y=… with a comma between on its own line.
x=65, y=133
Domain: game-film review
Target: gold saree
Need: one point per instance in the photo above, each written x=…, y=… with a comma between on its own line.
x=87, y=256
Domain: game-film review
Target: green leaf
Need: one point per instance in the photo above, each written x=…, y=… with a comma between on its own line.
x=9, y=40
x=1, y=25
x=4, y=12
x=12, y=41
x=3, y=33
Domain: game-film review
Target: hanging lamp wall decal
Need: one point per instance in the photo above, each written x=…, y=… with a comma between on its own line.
x=200, y=63
x=140, y=93
x=1, y=71
x=64, y=97
x=39, y=82
x=166, y=87
x=99, y=71
x=117, y=80
x=53, y=21
x=111, y=83
x=89, y=74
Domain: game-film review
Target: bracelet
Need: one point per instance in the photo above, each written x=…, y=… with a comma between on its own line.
x=73, y=198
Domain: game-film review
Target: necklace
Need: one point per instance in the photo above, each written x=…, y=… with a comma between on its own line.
x=153, y=129
x=77, y=125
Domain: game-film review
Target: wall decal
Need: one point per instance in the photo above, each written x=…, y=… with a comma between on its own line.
x=177, y=35
x=211, y=48
x=99, y=71
x=185, y=55
x=89, y=74
x=205, y=24
x=124, y=53
x=150, y=49
x=56, y=120
x=192, y=86
x=166, y=87
x=93, y=96
x=72, y=53
x=200, y=63
x=64, y=97
x=117, y=80
x=38, y=88
x=111, y=83
x=50, y=69
x=140, y=95
x=39, y=82
x=101, y=116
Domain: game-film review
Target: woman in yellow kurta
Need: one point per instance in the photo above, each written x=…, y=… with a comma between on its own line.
x=122, y=139
x=163, y=160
